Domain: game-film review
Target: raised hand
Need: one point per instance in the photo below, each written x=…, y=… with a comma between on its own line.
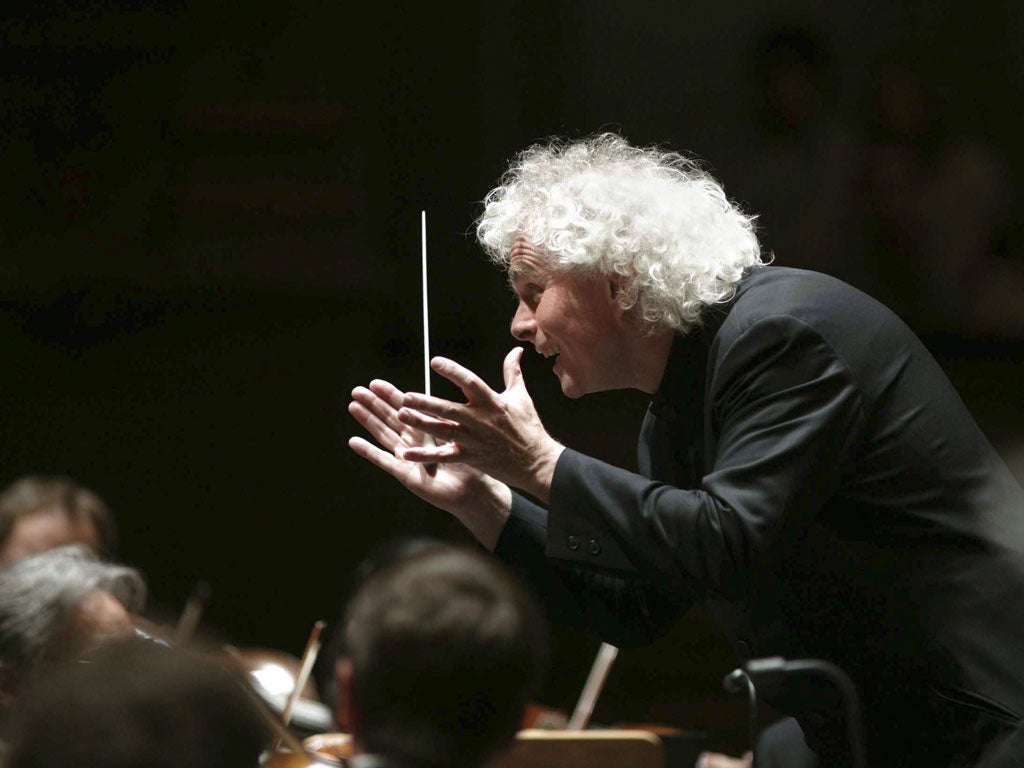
x=480, y=502
x=499, y=434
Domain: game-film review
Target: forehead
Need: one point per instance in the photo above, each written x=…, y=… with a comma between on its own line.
x=45, y=529
x=526, y=261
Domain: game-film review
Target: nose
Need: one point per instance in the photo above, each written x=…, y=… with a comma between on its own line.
x=524, y=326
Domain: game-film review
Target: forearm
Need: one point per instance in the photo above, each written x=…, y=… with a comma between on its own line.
x=608, y=517
x=620, y=609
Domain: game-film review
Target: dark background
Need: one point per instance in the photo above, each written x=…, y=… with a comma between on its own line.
x=209, y=233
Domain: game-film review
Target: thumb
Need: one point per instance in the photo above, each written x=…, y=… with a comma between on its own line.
x=511, y=370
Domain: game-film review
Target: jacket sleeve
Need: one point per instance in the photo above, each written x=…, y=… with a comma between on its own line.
x=785, y=412
x=618, y=607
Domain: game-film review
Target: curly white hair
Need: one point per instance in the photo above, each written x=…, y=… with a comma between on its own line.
x=600, y=206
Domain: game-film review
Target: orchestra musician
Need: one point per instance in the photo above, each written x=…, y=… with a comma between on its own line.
x=138, y=704
x=59, y=605
x=441, y=649
x=807, y=471
x=39, y=512
x=68, y=605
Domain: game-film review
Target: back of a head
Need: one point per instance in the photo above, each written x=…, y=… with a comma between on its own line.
x=59, y=495
x=39, y=597
x=137, y=705
x=446, y=649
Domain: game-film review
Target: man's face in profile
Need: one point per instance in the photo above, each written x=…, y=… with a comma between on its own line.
x=571, y=319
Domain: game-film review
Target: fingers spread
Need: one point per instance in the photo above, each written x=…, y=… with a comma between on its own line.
x=381, y=431
x=375, y=455
x=387, y=392
x=435, y=406
x=472, y=386
x=511, y=369
x=383, y=410
x=441, y=429
x=429, y=455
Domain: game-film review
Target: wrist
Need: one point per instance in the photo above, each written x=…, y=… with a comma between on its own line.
x=486, y=515
x=543, y=471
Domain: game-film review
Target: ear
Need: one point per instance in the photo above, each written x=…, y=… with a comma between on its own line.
x=615, y=288
x=344, y=711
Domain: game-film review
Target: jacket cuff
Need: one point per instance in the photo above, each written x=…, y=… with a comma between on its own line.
x=526, y=527
x=576, y=527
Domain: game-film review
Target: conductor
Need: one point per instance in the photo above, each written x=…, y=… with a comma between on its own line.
x=807, y=471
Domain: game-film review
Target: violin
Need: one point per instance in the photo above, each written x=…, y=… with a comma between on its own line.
x=292, y=760
x=288, y=752
x=278, y=684
x=275, y=671
x=334, y=745
x=275, y=675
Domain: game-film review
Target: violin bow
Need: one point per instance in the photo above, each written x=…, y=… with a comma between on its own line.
x=192, y=612
x=592, y=688
x=305, y=667
x=279, y=729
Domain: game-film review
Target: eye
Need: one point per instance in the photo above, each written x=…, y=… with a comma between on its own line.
x=529, y=293
x=532, y=294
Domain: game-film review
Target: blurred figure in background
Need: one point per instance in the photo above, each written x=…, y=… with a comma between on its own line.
x=137, y=704
x=58, y=605
x=798, y=156
x=932, y=207
x=390, y=553
x=39, y=512
x=458, y=626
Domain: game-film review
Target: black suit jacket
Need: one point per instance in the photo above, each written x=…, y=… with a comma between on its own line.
x=809, y=472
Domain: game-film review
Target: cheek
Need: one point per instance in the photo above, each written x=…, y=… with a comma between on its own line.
x=545, y=320
x=560, y=314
